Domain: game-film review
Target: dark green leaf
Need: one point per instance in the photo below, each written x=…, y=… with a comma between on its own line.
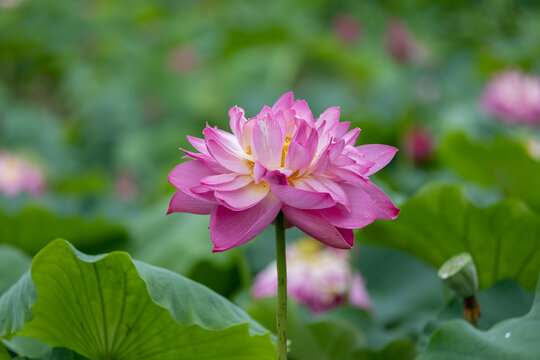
x=504, y=163
x=439, y=222
x=517, y=338
x=34, y=228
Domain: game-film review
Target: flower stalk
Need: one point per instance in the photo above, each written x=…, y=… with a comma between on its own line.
x=281, y=262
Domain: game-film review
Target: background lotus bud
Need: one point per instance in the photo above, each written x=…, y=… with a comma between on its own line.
x=347, y=28
x=401, y=44
x=418, y=144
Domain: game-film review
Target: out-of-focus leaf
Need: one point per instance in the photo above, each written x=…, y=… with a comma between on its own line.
x=181, y=242
x=4, y=355
x=399, y=349
x=517, y=338
x=311, y=339
x=439, y=222
x=28, y=347
x=109, y=306
x=504, y=163
x=13, y=263
x=406, y=293
x=502, y=301
x=34, y=228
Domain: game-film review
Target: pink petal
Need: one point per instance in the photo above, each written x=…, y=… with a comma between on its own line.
x=198, y=144
x=318, y=227
x=302, y=199
x=259, y=172
x=348, y=175
x=362, y=210
x=226, y=140
x=341, y=129
x=267, y=143
x=301, y=150
x=188, y=175
x=379, y=154
x=298, y=157
x=351, y=136
x=284, y=102
x=230, y=228
x=226, y=182
x=182, y=202
x=383, y=205
x=329, y=154
x=331, y=116
x=321, y=184
x=301, y=134
x=227, y=159
x=303, y=111
x=243, y=198
x=236, y=120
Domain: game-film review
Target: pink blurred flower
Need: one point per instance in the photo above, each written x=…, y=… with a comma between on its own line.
x=401, y=44
x=317, y=276
x=347, y=28
x=418, y=144
x=282, y=160
x=513, y=97
x=183, y=59
x=17, y=175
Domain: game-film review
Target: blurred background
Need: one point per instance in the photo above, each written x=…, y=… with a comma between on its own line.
x=97, y=96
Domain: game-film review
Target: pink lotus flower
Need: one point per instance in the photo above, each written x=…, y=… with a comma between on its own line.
x=17, y=176
x=513, y=97
x=317, y=276
x=282, y=160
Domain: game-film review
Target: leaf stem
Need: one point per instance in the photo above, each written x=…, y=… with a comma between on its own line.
x=281, y=261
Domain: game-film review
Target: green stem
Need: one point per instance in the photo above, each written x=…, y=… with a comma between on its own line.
x=281, y=261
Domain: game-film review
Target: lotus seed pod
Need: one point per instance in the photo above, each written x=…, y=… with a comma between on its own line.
x=459, y=273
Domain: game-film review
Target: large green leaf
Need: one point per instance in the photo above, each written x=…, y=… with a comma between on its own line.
x=439, y=222
x=504, y=163
x=517, y=338
x=502, y=301
x=112, y=307
x=181, y=242
x=34, y=228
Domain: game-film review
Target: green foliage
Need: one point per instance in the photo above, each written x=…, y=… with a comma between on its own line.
x=510, y=339
x=504, y=163
x=439, y=222
x=109, y=306
x=324, y=339
x=13, y=263
x=93, y=90
x=180, y=242
x=33, y=228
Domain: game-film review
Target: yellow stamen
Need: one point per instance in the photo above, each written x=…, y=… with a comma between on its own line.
x=285, y=150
